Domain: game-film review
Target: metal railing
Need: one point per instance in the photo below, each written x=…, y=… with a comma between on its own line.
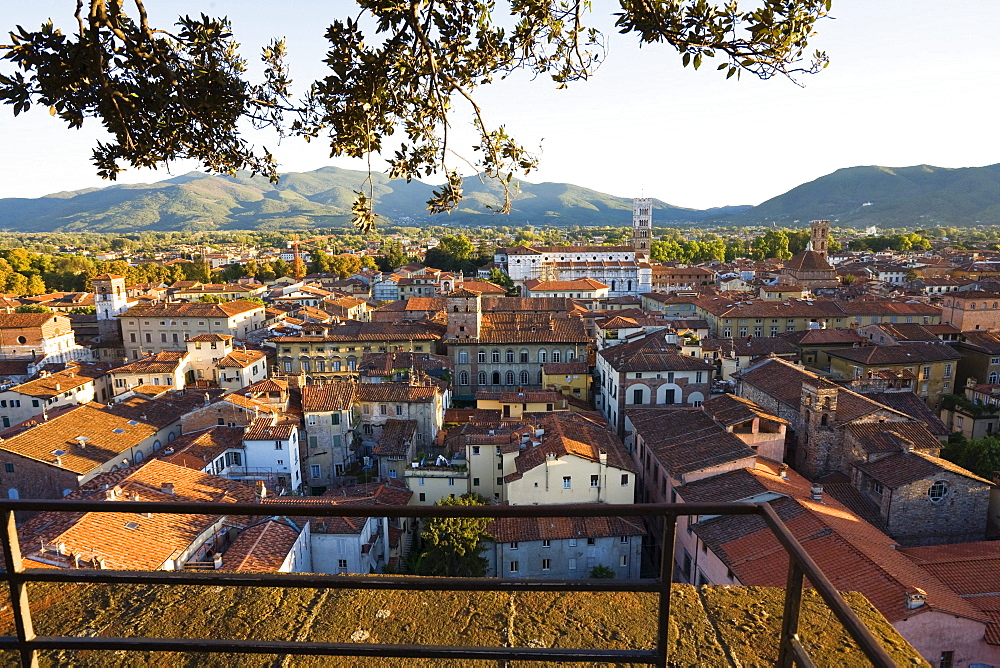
x=791, y=650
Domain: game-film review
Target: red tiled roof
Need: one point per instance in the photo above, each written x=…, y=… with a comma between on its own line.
x=333, y=396
x=261, y=548
x=527, y=529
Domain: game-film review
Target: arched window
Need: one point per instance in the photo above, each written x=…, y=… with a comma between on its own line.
x=463, y=378
x=156, y=444
x=496, y=377
x=824, y=420
x=570, y=355
x=463, y=357
x=524, y=378
x=556, y=356
x=613, y=286
x=510, y=378
x=170, y=437
x=496, y=357
x=138, y=456
x=972, y=306
x=510, y=356
x=630, y=286
x=13, y=494
x=539, y=377
x=524, y=357
x=482, y=378
x=481, y=357
x=994, y=378
x=542, y=357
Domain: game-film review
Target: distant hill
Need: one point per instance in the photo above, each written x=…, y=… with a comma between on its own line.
x=308, y=200
x=888, y=197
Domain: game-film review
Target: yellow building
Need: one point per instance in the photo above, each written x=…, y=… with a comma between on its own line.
x=569, y=378
x=514, y=404
x=930, y=367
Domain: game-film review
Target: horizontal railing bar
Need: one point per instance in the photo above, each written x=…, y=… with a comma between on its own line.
x=307, y=509
x=872, y=648
x=327, y=581
x=366, y=650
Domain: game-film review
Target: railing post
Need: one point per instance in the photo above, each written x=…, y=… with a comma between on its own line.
x=666, y=578
x=18, y=590
x=790, y=616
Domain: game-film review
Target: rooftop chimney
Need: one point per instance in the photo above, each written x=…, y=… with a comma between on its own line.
x=261, y=490
x=783, y=471
x=816, y=492
x=167, y=487
x=916, y=598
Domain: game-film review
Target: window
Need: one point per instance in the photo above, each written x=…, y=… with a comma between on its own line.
x=311, y=420
x=451, y=482
x=495, y=357
x=278, y=445
x=8, y=467
x=623, y=539
x=567, y=482
x=314, y=471
x=399, y=410
x=514, y=545
x=546, y=543
x=947, y=659
x=637, y=396
x=423, y=496
x=571, y=563
x=475, y=449
x=556, y=356
x=509, y=356
x=509, y=378
x=591, y=541
x=514, y=567
x=927, y=372
x=481, y=357
x=623, y=561
x=542, y=357
x=475, y=482
x=463, y=378
x=595, y=480
x=524, y=357
x=938, y=491
x=546, y=564
x=463, y=357
x=342, y=563
x=482, y=378
x=392, y=473
x=524, y=378
x=625, y=480
x=313, y=441
x=499, y=481
x=947, y=370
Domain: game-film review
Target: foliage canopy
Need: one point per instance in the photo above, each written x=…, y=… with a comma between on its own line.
x=396, y=71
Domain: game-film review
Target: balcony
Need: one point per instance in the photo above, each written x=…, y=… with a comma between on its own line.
x=650, y=621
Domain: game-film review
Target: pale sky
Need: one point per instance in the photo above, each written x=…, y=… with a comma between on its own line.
x=910, y=82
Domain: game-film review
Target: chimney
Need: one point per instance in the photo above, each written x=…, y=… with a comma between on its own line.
x=603, y=458
x=217, y=560
x=916, y=598
x=816, y=492
x=783, y=471
x=58, y=387
x=261, y=490
x=112, y=494
x=167, y=488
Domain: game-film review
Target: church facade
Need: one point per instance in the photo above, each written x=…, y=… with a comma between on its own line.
x=624, y=269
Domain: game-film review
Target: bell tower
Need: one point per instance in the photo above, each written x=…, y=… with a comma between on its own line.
x=109, y=301
x=820, y=239
x=642, y=226
x=465, y=314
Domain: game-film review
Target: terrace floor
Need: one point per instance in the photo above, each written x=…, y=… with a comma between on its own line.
x=709, y=626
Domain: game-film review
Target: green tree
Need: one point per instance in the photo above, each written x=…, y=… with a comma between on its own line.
x=453, y=253
x=454, y=546
x=391, y=255
x=32, y=308
x=602, y=572
x=183, y=92
x=773, y=243
x=504, y=281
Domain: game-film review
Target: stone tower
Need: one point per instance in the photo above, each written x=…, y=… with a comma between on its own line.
x=109, y=301
x=820, y=236
x=819, y=450
x=465, y=314
x=642, y=226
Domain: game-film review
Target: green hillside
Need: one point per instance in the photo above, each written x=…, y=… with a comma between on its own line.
x=889, y=197
x=308, y=200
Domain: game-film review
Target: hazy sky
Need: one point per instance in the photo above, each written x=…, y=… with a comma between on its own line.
x=910, y=82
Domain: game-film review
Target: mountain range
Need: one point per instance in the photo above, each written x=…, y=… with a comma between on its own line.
x=861, y=196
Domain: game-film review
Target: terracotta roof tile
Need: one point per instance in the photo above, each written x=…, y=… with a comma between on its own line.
x=333, y=396
x=687, y=439
x=904, y=468
x=527, y=529
x=262, y=547
x=192, y=310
